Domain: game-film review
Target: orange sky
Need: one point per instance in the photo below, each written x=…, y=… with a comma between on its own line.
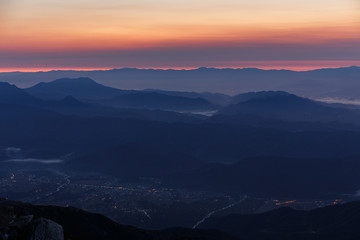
x=44, y=33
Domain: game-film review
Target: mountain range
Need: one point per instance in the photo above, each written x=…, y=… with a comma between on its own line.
x=266, y=104
x=267, y=144
x=187, y=150
x=321, y=83
x=86, y=89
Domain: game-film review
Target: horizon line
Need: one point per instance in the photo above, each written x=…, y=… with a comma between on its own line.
x=46, y=70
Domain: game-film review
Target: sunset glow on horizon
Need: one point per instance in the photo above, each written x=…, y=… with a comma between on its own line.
x=264, y=65
x=79, y=34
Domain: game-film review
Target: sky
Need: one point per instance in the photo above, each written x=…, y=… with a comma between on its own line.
x=89, y=34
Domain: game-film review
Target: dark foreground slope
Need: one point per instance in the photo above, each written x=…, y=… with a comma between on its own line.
x=328, y=223
x=78, y=225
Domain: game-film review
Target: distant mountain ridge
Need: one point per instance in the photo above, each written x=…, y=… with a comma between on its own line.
x=216, y=98
x=10, y=95
x=82, y=88
x=87, y=89
x=289, y=107
x=244, y=97
x=337, y=82
x=170, y=143
x=154, y=100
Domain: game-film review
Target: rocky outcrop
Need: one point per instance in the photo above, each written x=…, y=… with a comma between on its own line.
x=45, y=229
x=27, y=228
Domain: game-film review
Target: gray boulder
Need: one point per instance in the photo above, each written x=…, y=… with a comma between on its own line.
x=45, y=229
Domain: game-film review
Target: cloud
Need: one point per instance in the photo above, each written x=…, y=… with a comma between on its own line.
x=341, y=101
x=35, y=160
x=13, y=149
x=357, y=194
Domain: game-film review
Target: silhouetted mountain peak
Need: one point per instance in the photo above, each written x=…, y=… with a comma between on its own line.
x=286, y=106
x=282, y=98
x=10, y=94
x=72, y=81
x=69, y=82
x=82, y=88
x=244, y=97
x=269, y=97
x=5, y=86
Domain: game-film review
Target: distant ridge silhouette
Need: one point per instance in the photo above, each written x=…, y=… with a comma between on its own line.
x=81, y=88
x=327, y=82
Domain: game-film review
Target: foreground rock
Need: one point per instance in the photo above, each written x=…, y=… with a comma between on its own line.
x=26, y=227
x=45, y=229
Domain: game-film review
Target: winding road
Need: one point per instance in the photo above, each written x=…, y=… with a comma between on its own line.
x=216, y=211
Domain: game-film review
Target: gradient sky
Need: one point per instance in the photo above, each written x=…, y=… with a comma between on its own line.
x=88, y=34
